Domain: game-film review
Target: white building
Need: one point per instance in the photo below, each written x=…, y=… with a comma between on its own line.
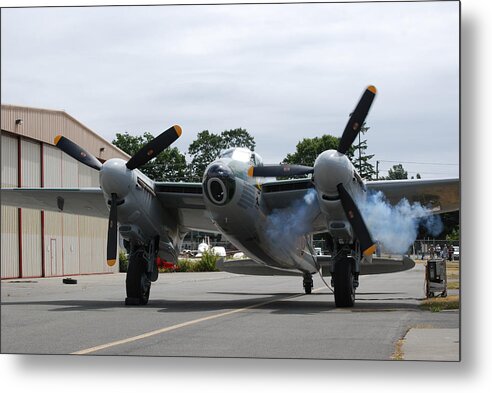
x=46, y=244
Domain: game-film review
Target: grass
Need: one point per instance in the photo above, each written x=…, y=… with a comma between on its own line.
x=453, y=272
x=453, y=285
x=398, y=353
x=437, y=304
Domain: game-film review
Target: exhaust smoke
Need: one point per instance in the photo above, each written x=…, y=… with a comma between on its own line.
x=396, y=227
x=285, y=226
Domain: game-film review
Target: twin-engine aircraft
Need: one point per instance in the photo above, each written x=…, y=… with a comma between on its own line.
x=271, y=221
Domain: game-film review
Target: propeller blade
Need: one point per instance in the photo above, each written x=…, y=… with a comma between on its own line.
x=75, y=151
x=154, y=147
x=279, y=170
x=356, y=120
x=112, y=232
x=356, y=221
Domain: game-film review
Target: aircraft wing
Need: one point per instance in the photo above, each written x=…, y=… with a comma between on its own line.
x=282, y=193
x=83, y=201
x=440, y=195
x=187, y=200
x=251, y=267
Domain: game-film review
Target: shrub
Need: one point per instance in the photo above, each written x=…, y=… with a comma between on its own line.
x=207, y=262
x=123, y=259
x=185, y=265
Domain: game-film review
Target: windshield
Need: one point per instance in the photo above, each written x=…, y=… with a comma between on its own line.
x=237, y=154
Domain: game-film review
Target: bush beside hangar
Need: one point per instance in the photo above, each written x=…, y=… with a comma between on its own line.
x=49, y=244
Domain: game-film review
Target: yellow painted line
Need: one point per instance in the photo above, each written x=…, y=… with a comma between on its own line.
x=181, y=325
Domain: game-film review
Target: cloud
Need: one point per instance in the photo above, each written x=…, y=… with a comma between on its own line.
x=284, y=72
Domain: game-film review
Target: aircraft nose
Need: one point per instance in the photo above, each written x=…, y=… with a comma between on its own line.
x=219, y=184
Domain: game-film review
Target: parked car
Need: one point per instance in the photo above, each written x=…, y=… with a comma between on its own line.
x=456, y=253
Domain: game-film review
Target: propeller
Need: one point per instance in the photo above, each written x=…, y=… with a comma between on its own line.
x=112, y=232
x=75, y=151
x=356, y=221
x=144, y=155
x=351, y=131
x=356, y=120
x=154, y=147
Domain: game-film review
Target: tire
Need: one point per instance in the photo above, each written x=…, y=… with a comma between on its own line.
x=307, y=283
x=137, y=281
x=343, y=281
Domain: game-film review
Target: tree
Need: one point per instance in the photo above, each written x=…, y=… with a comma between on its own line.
x=361, y=160
x=237, y=138
x=207, y=146
x=397, y=173
x=309, y=149
x=170, y=165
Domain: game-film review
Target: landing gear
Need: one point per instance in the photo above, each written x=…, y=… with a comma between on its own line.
x=307, y=283
x=142, y=271
x=344, y=282
x=137, y=279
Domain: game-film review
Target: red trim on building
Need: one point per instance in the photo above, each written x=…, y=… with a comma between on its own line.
x=43, y=253
x=19, y=184
x=62, y=227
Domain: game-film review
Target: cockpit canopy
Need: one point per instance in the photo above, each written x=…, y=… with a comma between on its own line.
x=243, y=155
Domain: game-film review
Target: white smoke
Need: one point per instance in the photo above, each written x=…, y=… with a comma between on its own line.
x=396, y=227
x=284, y=226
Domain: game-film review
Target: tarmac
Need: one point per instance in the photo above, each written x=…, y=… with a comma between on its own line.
x=226, y=315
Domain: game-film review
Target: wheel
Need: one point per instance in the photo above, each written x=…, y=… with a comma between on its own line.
x=307, y=283
x=343, y=280
x=137, y=281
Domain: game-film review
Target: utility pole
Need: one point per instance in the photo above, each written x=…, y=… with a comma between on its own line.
x=377, y=170
x=360, y=158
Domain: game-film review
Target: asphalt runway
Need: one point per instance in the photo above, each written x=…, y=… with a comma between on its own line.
x=214, y=315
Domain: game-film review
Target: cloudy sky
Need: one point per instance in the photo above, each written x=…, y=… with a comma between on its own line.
x=283, y=72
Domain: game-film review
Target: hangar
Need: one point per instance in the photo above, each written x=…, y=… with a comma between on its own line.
x=49, y=244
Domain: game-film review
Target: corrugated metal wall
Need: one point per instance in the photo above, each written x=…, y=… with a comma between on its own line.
x=72, y=244
x=31, y=219
x=53, y=230
x=92, y=230
x=70, y=179
x=10, y=215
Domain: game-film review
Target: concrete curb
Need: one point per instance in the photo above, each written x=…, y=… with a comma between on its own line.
x=432, y=344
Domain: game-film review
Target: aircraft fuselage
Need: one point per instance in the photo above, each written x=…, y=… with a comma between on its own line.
x=278, y=238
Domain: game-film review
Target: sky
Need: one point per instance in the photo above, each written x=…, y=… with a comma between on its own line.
x=283, y=72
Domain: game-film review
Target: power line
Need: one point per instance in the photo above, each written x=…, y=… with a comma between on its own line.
x=422, y=173
x=415, y=162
